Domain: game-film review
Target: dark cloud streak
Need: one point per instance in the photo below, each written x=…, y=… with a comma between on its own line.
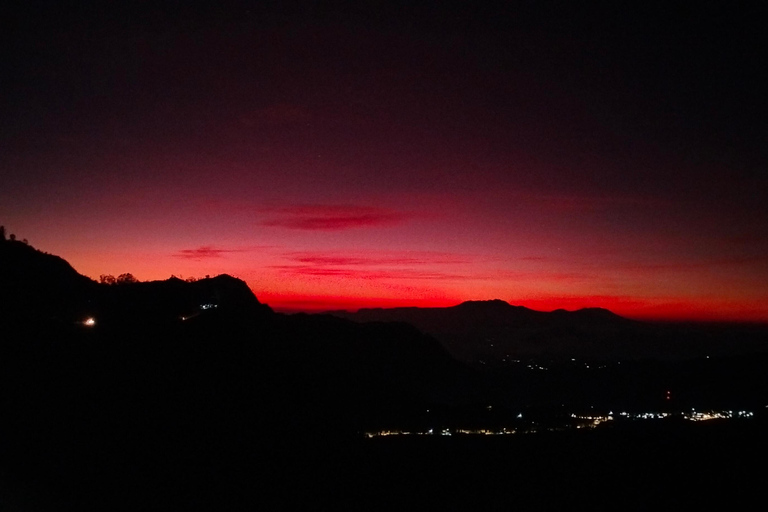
x=374, y=275
x=396, y=259
x=332, y=217
x=205, y=252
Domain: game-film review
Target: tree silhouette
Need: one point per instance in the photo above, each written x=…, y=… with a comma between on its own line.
x=13, y=237
x=2, y=233
x=126, y=278
x=107, y=279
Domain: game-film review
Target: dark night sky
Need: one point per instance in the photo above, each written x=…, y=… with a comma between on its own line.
x=345, y=154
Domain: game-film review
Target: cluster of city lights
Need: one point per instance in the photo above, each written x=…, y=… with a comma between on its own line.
x=581, y=421
x=713, y=415
x=533, y=365
x=442, y=432
x=692, y=415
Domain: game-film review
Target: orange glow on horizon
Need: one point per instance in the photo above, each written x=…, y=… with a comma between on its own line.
x=674, y=310
x=425, y=177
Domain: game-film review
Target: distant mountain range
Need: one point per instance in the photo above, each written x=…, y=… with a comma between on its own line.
x=495, y=333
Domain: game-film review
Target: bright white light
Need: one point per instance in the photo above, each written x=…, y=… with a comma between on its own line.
x=90, y=321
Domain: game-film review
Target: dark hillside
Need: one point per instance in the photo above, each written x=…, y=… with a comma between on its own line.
x=495, y=334
x=40, y=285
x=196, y=396
x=183, y=382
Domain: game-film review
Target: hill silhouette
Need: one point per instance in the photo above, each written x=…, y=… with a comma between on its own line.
x=196, y=396
x=46, y=287
x=46, y=291
x=40, y=284
x=494, y=332
x=172, y=377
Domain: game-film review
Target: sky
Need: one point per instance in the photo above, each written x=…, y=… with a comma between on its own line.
x=338, y=155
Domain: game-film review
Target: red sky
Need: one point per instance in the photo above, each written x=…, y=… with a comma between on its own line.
x=419, y=157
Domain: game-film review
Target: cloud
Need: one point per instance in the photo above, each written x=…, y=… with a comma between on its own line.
x=332, y=217
x=384, y=265
x=410, y=265
x=404, y=258
x=371, y=275
x=204, y=252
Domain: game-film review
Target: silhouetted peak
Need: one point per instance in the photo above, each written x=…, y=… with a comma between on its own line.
x=495, y=308
x=175, y=296
x=23, y=265
x=485, y=304
x=15, y=253
x=37, y=284
x=229, y=288
x=226, y=278
x=600, y=311
x=598, y=314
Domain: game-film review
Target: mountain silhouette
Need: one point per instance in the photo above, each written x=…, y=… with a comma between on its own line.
x=494, y=330
x=474, y=314
x=46, y=287
x=171, y=374
x=34, y=283
x=196, y=396
x=208, y=350
x=494, y=333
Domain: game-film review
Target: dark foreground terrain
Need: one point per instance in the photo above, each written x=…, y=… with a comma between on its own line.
x=665, y=466
x=195, y=396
